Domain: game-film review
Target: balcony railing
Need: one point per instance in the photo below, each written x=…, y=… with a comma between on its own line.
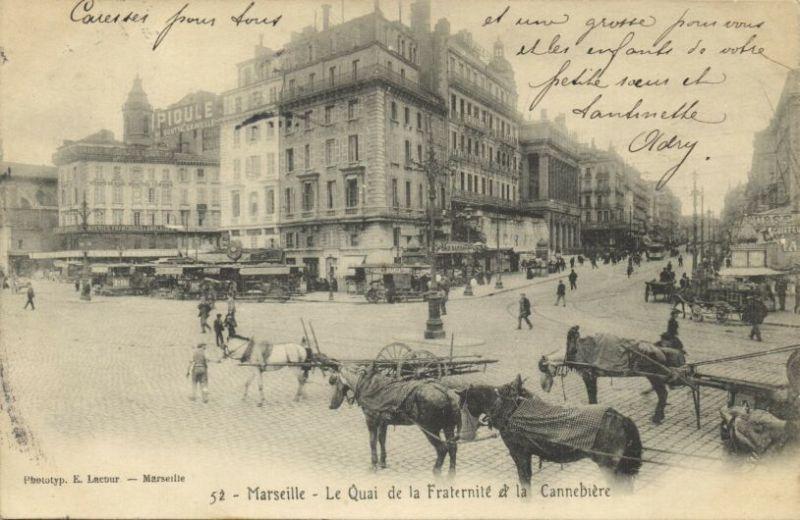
x=487, y=97
x=480, y=198
x=365, y=75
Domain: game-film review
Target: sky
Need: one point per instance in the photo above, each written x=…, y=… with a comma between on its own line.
x=65, y=80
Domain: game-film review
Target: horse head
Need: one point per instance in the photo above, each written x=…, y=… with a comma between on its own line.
x=344, y=381
x=478, y=401
x=753, y=432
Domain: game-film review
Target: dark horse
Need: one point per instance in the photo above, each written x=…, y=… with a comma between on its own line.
x=616, y=448
x=428, y=404
x=650, y=363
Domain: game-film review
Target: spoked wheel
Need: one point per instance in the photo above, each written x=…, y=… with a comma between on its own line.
x=391, y=358
x=423, y=364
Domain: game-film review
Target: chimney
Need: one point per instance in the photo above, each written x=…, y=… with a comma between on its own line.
x=421, y=16
x=326, y=17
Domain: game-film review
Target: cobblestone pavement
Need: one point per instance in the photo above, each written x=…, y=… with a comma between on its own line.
x=111, y=372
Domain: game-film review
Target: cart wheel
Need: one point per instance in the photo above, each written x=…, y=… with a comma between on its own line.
x=391, y=358
x=424, y=364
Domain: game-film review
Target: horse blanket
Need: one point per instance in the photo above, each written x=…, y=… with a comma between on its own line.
x=618, y=355
x=574, y=427
x=382, y=394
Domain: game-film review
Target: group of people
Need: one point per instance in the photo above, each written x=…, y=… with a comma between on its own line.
x=561, y=297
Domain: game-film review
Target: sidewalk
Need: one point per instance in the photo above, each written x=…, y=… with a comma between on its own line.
x=511, y=282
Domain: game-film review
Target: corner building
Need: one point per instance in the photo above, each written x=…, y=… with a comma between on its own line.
x=250, y=131
x=357, y=121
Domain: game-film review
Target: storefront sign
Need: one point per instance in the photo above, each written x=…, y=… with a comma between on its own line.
x=184, y=118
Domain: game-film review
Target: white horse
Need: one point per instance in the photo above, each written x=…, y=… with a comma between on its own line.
x=263, y=356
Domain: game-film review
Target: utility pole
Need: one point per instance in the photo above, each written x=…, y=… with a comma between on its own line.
x=498, y=284
x=702, y=225
x=86, y=278
x=694, y=222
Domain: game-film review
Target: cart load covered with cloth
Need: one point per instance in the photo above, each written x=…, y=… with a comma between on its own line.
x=616, y=355
x=382, y=394
x=572, y=427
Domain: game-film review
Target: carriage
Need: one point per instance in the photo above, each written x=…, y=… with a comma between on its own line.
x=604, y=355
x=394, y=283
x=718, y=311
x=656, y=289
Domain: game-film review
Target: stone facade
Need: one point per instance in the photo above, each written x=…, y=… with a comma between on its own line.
x=774, y=179
x=250, y=152
x=28, y=214
x=133, y=195
x=549, y=181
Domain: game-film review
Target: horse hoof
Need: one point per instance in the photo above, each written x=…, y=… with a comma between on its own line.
x=657, y=419
x=383, y=465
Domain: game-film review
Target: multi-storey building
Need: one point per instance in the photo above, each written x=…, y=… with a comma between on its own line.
x=665, y=215
x=482, y=133
x=28, y=213
x=249, y=152
x=130, y=198
x=606, y=199
x=775, y=172
x=357, y=124
x=550, y=177
x=191, y=125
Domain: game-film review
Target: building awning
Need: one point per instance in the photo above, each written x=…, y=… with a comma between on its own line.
x=169, y=270
x=744, y=272
x=266, y=270
x=100, y=269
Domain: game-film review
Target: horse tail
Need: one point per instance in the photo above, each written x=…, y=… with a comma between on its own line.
x=632, y=454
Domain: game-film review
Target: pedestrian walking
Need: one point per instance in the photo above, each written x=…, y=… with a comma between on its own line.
x=230, y=323
x=630, y=269
x=524, y=312
x=561, y=294
x=781, y=286
x=572, y=263
x=203, y=311
x=573, y=280
x=797, y=295
x=231, y=305
x=198, y=372
x=444, y=291
x=754, y=313
x=30, y=299
x=680, y=260
x=219, y=328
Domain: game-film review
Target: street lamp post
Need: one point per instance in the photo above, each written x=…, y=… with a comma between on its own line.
x=434, y=328
x=498, y=284
x=330, y=278
x=470, y=259
x=86, y=280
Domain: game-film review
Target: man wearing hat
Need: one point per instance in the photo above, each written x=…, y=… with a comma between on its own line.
x=198, y=371
x=754, y=313
x=672, y=327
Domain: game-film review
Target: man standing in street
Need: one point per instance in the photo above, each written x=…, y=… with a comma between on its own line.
x=524, y=311
x=573, y=280
x=561, y=292
x=572, y=263
x=630, y=269
x=204, y=310
x=754, y=313
x=780, y=287
x=219, y=328
x=30, y=298
x=198, y=371
x=444, y=288
x=680, y=260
